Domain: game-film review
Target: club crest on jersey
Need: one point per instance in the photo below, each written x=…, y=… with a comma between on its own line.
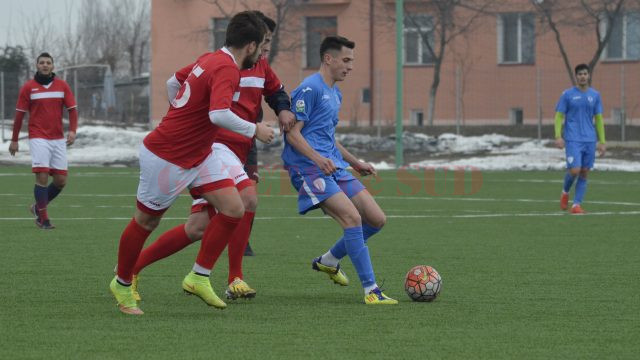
x=570, y=159
x=319, y=184
x=300, y=105
x=590, y=98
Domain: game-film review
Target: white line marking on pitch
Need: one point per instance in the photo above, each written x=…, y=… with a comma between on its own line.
x=460, y=216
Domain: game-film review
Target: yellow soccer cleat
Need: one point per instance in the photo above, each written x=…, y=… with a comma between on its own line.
x=335, y=273
x=124, y=296
x=377, y=297
x=239, y=289
x=200, y=286
x=134, y=288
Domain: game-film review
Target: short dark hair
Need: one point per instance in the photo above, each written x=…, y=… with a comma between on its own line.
x=44, y=54
x=271, y=24
x=581, y=67
x=335, y=43
x=244, y=28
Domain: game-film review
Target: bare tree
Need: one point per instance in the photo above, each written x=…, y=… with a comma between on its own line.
x=448, y=20
x=584, y=15
x=285, y=39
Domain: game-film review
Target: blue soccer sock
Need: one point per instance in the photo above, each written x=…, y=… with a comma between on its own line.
x=52, y=192
x=581, y=188
x=339, y=250
x=40, y=193
x=359, y=255
x=568, y=182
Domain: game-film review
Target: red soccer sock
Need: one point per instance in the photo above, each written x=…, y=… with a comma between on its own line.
x=237, y=244
x=215, y=239
x=167, y=244
x=131, y=242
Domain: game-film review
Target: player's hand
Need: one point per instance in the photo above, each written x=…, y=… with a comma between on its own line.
x=326, y=165
x=365, y=169
x=286, y=120
x=602, y=149
x=560, y=143
x=71, y=138
x=13, y=148
x=264, y=133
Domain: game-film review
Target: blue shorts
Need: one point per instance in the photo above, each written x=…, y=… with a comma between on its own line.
x=314, y=187
x=580, y=154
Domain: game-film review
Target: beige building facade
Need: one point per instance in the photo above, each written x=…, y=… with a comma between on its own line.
x=507, y=67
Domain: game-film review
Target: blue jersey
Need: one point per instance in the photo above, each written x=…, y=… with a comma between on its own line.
x=317, y=104
x=579, y=108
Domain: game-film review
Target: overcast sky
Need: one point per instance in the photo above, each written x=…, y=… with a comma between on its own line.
x=14, y=14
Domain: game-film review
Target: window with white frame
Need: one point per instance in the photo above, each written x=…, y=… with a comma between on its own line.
x=516, y=38
x=218, y=32
x=624, y=43
x=418, y=37
x=316, y=29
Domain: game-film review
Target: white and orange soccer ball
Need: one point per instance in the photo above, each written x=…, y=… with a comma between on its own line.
x=423, y=283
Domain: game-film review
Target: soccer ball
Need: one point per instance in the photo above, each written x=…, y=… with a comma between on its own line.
x=423, y=283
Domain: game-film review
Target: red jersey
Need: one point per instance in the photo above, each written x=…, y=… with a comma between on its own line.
x=185, y=135
x=256, y=82
x=44, y=104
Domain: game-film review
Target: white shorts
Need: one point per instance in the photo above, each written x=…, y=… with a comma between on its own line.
x=232, y=163
x=161, y=181
x=48, y=156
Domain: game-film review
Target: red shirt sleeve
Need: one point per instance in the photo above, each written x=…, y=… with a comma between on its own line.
x=183, y=73
x=224, y=84
x=69, y=100
x=271, y=81
x=24, y=100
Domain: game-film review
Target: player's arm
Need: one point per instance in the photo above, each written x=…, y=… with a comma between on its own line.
x=225, y=84
x=280, y=103
x=72, y=108
x=600, y=127
x=561, y=110
x=361, y=167
x=299, y=143
x=17, y=125
x=176, y=80
x=21, y=108
x=278, y=100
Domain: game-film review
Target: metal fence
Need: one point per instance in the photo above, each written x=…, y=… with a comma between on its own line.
x=100, y=98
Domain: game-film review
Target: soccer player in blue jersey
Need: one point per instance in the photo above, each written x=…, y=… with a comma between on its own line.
x=576, y=110
x=317, y=164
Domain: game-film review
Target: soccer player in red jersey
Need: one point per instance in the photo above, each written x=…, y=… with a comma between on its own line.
x=44, y=98
x=233, y=149
x=178, y=155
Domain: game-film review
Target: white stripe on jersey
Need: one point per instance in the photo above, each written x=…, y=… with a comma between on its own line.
x=236, y=96
x=252, y=81
x=47, y=95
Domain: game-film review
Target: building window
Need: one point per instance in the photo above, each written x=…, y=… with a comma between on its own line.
x=418, y=32
x=417, y=117
x=218, y=32
x=316, y=29
x=516, y=38
x=366, y=96
x=624, y=43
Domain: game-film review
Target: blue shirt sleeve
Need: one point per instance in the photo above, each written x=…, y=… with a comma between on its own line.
x=561, y=107
x=303, y=101
x=598, y=108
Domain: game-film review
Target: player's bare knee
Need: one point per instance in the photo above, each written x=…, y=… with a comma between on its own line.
x=583, y=174
x=250, y=203
x=379, y=221
x=574, y=172
x=60, y=182
x=233, y=210
x=352, y=219
x=148, y=222
x=194, y=232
